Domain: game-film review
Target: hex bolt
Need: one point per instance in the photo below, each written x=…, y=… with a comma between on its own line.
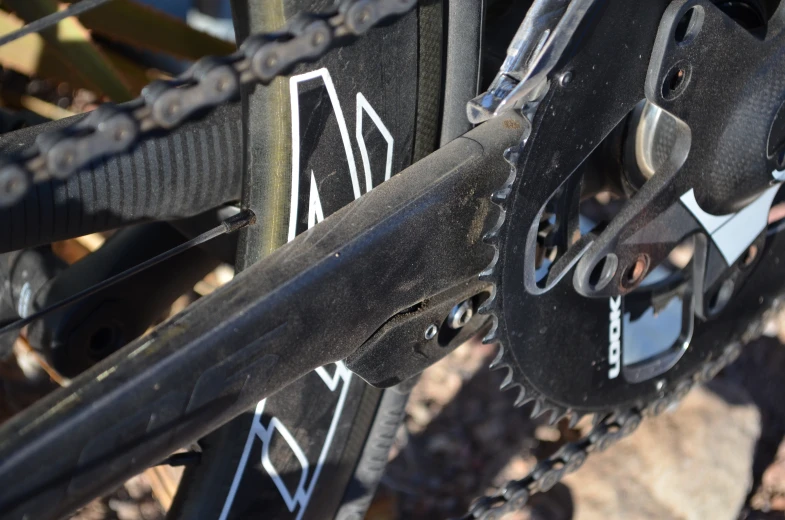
x=431, y=332
x=460, y=315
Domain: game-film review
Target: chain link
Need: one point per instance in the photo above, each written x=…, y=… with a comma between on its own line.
x=609, y=430
x=212, y=81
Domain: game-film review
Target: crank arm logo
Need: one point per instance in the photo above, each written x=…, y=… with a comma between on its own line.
x=733, y=234
x=614, y=333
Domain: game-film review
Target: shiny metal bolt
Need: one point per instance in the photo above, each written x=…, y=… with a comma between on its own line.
x=431, y=332
x=460, y=315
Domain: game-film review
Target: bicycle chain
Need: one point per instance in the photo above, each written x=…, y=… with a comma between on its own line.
x=606, y=432
x=166, y=104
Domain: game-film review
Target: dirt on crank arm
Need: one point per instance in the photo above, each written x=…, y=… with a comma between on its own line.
x=314, y=301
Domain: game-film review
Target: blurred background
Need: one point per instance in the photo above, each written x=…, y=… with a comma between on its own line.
x=109, y=52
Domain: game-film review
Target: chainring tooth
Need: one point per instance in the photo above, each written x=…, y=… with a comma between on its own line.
x=608, y=427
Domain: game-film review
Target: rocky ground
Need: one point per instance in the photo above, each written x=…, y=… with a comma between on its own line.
x=719, y=455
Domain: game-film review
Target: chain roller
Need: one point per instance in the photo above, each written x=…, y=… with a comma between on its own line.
x=212, y=81
x=606, y=432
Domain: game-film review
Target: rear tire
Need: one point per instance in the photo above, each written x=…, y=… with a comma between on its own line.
x=329, y=443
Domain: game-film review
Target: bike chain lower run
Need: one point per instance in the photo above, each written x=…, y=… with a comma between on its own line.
x=606, y=431
x=212, y=81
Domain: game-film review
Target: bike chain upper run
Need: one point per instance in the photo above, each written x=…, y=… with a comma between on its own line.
x=166, y=104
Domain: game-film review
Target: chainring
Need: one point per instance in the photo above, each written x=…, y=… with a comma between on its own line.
x=556, y=344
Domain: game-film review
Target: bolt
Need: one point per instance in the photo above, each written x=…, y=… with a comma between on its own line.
x=460, y=315
x=271, y=61
x=566, y=78
x=362, y=16
x=67, y=158
x=173, y=107
x=431, y=332
x=635, y=273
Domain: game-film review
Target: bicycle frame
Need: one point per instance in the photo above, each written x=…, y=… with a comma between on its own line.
x=397, y=258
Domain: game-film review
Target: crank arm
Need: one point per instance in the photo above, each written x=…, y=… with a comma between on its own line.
x=313, y=302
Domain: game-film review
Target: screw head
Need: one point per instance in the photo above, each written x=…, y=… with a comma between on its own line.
x=460, y=315
x=363, y=16
x=566, y=78
x=173, y=107
x=635, y=273
x=13, y=184
x=431, y=332
x=271, y=60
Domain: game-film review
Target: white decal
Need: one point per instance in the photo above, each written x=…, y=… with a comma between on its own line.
x=315, y=213
x=614, y=336
x=298, y=500
x=324, y=74
x=362, y=104
x=734, y=233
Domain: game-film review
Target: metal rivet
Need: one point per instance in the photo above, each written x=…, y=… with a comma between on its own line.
x=566, y=78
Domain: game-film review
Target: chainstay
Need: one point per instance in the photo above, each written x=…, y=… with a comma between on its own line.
x=606, y=432
x=167, y=104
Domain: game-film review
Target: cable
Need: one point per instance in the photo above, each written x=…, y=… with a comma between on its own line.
x=230, y=225
x=51, y=19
